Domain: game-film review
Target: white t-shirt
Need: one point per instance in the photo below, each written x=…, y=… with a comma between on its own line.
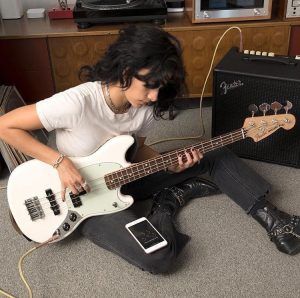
x=83, y=121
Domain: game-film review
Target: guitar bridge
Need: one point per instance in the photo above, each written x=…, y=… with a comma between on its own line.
x=34, y=208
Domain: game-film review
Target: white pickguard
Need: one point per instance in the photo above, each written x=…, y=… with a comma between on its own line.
x=33, y=177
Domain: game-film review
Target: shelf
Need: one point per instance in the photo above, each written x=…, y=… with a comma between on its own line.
x=40, y=28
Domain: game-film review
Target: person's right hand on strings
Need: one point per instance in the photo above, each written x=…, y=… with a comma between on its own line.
x=70, y=178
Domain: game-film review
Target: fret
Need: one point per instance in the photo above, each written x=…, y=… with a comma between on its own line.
x=215, y=143
x=221, y=140
x=145, y=168
x=171, y=156
x=161, y=163
x=107, y=180
x=153, y=165
x=137, y=170
x=129, y=173
x=119, y=175
x=156, y=164
x=174, y=157
x=227, y=139
x=180, y=152
x=125, y=175
x=125, y=178
x=202, y=148
x=114, y=178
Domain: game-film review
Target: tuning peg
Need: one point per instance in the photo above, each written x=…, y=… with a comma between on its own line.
x=264, y=107
x=276, y=106
x=288, y=106
x=253, y=109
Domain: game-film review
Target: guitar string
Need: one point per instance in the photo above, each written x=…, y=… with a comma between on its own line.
x=173, y=160
x=223, y=143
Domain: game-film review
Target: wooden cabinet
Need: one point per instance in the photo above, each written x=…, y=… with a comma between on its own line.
x=68, y=54
x=295, y=41
x=199, y=46
x=25, y=63
x=44, y=57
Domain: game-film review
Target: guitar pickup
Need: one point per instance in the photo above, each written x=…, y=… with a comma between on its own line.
x=52, y=200
x=75, y=198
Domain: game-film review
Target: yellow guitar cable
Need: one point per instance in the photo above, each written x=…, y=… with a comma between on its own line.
x=20, y=263
x=203, y=89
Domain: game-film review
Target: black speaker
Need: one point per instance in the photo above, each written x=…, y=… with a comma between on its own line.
x=240, y=80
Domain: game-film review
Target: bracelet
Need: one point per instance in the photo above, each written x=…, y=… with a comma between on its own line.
x=58, y=161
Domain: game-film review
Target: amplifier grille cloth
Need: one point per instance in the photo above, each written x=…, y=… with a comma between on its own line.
x=231, y=109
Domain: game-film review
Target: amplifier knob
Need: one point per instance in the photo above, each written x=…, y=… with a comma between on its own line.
x=297, y=57
x=264, y=54
x=252, y=52
x=246, y=51
x=258, y=53
x=271, y=54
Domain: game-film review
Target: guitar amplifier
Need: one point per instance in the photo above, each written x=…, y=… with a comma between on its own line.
x=240, y=80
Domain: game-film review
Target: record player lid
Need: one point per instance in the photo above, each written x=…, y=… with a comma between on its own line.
x=110, y=4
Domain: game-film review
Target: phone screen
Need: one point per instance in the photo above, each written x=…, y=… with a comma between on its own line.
x=145, y=234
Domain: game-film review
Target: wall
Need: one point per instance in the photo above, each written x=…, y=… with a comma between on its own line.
x=42, y=3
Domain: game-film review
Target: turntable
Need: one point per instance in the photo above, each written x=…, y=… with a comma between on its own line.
x=88, y=12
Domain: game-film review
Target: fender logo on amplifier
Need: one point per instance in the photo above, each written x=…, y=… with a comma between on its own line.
x=229, y=86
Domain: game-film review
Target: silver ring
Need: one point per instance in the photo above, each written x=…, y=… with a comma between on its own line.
x=84, y=184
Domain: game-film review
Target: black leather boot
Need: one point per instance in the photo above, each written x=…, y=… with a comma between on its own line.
x=283, y=229
x=169, y=200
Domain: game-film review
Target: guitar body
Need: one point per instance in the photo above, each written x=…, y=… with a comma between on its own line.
x=34, y=193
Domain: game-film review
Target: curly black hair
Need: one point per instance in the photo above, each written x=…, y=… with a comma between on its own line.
x=137, y=47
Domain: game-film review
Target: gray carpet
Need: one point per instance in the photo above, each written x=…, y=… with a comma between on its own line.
x=229, y=254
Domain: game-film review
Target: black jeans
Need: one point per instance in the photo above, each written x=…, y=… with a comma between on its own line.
x=231, y=174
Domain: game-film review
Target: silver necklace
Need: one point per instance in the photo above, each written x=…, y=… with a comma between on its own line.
x=116, y=110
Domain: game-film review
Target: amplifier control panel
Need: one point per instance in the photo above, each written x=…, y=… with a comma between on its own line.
x=265, y=54
x=259, y=53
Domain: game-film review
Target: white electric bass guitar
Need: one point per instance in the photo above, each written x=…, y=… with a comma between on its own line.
x=34, y=188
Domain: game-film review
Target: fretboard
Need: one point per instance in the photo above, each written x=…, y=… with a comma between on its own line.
x=141, y=169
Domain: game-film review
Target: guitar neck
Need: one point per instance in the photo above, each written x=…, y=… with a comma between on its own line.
x=138, y=170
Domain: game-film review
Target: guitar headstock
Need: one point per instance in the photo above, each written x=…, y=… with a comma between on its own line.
x=261, y=127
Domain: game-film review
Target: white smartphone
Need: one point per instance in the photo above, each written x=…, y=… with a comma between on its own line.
x=146, y=235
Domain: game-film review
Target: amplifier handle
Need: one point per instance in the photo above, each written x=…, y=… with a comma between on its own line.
x=271, y=59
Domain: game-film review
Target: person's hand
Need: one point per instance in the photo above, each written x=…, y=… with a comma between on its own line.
x=192, y=157
x=70, y=178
